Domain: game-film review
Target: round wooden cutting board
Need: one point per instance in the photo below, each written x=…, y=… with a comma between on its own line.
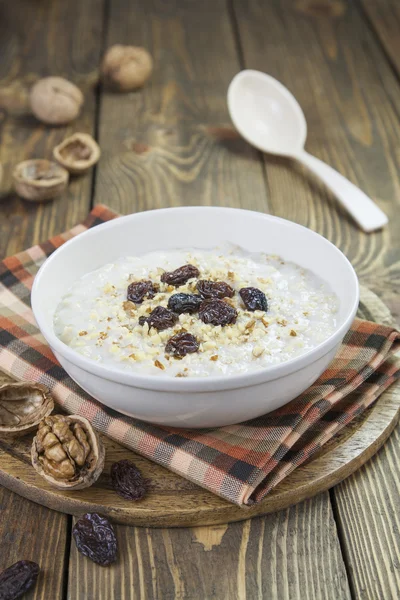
x=173, y=501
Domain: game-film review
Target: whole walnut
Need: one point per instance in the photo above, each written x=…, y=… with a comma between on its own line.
x=126, y=68
x=55, y=100
x=67, y=452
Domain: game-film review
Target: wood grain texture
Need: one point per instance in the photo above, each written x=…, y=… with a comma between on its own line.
x=384, y=19
x=337, y=69
x=368, y=517
x=52, y=38
x=172, y=143
x=327, y=56
x=291, y=554
x=175, y=502
x=32, y=532
x=38, y=39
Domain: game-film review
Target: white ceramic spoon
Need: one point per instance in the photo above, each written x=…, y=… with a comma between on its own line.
x=269, y=117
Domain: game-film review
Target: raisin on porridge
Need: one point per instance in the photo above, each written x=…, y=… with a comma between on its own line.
x=174, y=314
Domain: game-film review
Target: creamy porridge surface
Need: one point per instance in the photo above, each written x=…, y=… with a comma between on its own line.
x=95, y=318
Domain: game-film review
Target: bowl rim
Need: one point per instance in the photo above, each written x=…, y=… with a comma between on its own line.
x=190, y=384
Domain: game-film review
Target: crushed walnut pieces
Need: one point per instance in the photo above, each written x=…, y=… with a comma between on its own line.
x=173, y=300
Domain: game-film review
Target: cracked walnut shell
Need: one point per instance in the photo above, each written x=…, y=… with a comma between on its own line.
x=77, y=153
x=22, y=407
x=126, y=68
x=39, y=179
x=67, y=452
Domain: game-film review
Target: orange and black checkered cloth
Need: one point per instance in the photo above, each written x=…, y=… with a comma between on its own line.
x=241, y=463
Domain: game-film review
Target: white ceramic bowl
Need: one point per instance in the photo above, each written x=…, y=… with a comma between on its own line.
x=194, y=402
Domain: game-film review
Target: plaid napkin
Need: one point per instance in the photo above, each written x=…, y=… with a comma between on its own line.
x=241, y=463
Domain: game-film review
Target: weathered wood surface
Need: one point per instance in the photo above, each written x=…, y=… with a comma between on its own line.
x=369, y=521
x=31, y=532
x=175, y=502
x=173, y=144
x=330, y=60
x=367, y=503
x=384, y=18
x=291, y=554
x=38, y=39
x=324, y=52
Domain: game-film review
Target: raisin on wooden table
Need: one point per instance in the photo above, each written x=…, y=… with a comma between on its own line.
x=18, y=579
x=95, y=538
x=127, y=480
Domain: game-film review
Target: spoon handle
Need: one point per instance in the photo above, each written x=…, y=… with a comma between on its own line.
x=363, y=210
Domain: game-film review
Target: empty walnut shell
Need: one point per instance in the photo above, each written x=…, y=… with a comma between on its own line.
x=67, y=452
x=126, y=68
x=39, y=179
x=77, y=153
x=22, y=407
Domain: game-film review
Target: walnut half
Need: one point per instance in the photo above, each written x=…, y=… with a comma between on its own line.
x=39, y=179
x=22, y=407
x=78, y=153
x=67, y=452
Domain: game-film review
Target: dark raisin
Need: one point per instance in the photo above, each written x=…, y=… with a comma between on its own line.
x=217, y=312
x=254, y=299
x=180, y=275
x=214, y=289
x=182, y=344
x=18, y=579
x=127, y=480
x=141, y=290
x=184, y=303
x=95, y=538
x=160, y=318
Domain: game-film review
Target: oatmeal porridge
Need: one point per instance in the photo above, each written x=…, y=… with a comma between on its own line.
x=196, y=313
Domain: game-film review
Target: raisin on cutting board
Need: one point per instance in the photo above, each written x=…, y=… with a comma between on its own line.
x=127, y=480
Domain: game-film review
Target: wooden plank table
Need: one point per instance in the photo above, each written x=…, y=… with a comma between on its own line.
x=173, y=144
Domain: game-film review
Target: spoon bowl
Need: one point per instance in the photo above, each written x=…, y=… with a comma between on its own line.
x=269, y=117
x=266, y=114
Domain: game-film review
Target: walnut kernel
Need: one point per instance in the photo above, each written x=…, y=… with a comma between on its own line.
x=67, y=452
